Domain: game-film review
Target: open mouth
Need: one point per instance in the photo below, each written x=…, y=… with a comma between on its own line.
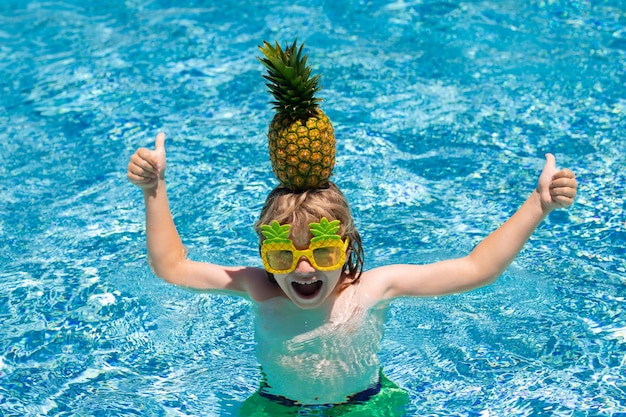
x=307, y=289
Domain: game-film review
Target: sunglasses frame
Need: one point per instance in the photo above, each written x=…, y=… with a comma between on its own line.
x=297, y=254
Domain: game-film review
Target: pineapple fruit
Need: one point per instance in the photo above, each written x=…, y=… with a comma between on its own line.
x=301, y=138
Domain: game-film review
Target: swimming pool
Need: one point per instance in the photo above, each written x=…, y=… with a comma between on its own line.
x=443, y=111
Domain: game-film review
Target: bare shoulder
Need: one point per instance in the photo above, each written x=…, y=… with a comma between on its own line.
x=251, y=281
x=260, y=287
x=381, y=284
x=375, y=283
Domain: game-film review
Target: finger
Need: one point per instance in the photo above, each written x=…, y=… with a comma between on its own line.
x=563, y=186
x=138, y=179
x=142, y=171
x=145, y=159
x=563, y=201
x=550, y=160
x=141, y=168
x=564, y=173
x=563, y=182
x=138, y=172
x=159, y=145
x=563, y=192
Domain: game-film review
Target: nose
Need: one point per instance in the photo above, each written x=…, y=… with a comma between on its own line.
x=304, y=266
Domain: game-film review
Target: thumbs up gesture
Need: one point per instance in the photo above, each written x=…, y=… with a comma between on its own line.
x=557, y=189
x=147, y=166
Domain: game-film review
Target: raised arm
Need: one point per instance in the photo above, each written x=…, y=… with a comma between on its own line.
x=493, y=255
x=166, y=253
x=556, y=189
x=146, y=169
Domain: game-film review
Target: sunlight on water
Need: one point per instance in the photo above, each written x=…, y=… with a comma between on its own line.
x=443, y=113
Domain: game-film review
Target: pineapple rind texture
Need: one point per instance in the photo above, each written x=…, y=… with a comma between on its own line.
x=302, y=152
x=301, y=138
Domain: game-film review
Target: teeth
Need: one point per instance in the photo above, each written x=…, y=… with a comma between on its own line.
x=305, y=282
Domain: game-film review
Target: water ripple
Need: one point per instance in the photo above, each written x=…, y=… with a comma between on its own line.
x=443, y=112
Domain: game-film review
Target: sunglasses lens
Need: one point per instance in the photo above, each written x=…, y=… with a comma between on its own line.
x=280, y=259
x=327, y=257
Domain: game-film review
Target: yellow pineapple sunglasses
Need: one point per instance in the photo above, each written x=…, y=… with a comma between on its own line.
x=326, y=252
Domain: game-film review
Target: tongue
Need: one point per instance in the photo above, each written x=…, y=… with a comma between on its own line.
x=307, y=290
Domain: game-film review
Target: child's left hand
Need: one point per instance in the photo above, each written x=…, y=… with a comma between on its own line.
x=557, y=189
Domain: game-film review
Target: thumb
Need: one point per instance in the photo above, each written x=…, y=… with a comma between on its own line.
x=545, y=178
x=159, y=145
x=550, y=167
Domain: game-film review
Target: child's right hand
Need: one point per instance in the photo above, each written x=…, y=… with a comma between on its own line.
x=146, y=167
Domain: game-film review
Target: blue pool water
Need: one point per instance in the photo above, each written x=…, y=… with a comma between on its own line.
x=443, y=111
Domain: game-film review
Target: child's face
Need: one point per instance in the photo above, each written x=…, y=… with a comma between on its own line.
x=307, y=287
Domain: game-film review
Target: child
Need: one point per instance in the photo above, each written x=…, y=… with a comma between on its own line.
x=319, y=316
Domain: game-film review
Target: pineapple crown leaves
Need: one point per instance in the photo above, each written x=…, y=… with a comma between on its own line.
x=290, y=81
x=325, y=230
x=276, y=233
